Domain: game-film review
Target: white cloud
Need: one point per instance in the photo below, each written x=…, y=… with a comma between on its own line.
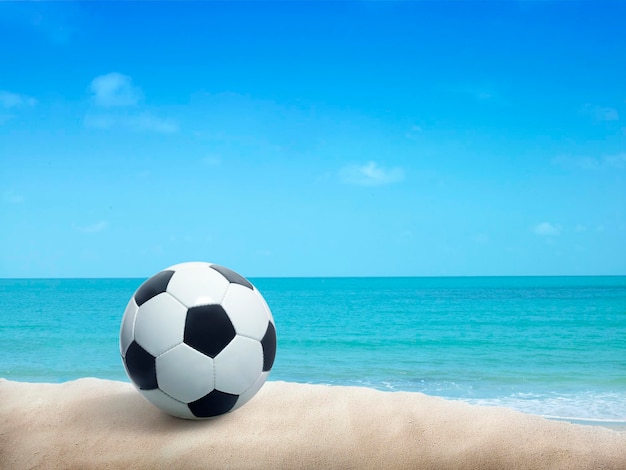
x=547, y=229
x=93, y=228
x=113, y=90
x=15, y=100
x=144, y=122
x=370, y=174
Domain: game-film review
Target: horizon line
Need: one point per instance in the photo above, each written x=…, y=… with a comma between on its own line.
x=2, y=278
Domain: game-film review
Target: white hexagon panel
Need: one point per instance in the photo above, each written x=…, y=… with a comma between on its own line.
x=246, y=311
x=245, y=355
x=160, y=324
x=198, y=285
x=166, y=403
x=188, y=383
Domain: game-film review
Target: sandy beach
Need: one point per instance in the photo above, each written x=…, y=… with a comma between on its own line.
x=93, y=423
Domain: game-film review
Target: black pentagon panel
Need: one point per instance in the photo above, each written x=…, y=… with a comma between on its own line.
x=152, y=287
x=141, y=367
x=214, y=404
x=269, y=347
x=232, y=276
x=208, y=329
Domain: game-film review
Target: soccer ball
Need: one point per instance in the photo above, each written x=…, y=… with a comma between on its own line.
x=197, y=340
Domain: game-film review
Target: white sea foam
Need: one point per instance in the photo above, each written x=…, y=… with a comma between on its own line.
x=583, y=406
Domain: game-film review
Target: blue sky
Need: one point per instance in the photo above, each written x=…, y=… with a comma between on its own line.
x=313, y=138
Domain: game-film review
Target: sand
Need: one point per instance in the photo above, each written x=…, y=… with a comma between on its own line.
x=92, y=423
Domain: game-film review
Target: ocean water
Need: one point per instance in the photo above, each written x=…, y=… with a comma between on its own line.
x=553, y=346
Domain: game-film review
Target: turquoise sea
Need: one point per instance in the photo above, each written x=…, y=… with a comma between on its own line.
x=553, y=346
